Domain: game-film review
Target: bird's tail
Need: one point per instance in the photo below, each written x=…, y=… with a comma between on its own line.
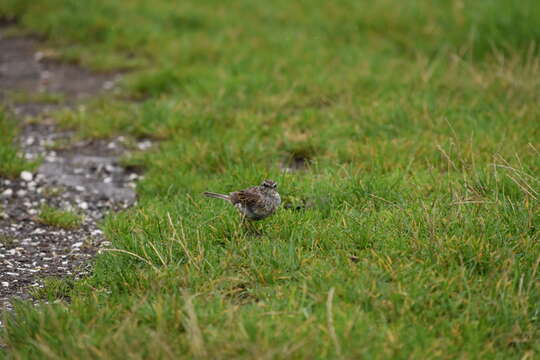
x=217, y=196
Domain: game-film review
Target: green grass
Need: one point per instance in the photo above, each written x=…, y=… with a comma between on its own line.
x=11, y=162
x=59, y=218
x=53, y=289
x=6, y=240
x=412, y=233
x=51, y=191
x=22, y=97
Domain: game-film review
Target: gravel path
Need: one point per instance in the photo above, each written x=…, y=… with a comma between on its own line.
x=85, y=177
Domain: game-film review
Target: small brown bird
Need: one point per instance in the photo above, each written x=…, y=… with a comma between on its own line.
x=255, y=203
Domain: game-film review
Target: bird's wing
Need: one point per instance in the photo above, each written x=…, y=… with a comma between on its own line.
x=246, y=197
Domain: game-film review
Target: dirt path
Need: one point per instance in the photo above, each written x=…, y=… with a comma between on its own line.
x=84, y=177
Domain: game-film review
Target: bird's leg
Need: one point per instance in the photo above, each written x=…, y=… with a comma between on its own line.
x=245, y=223
x=254, y=229
x=242, y=220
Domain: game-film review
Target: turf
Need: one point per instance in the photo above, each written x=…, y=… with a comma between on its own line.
x=410, y=229
x=59, y=218
x=12, y=163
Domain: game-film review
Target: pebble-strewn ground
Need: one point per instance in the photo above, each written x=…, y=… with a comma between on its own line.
x=83, y=177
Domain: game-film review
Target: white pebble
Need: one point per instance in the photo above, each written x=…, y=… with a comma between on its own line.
x=83, y=205
x=107, y=85
x=21, y=193
x=45, y=75
x=76, y=245
x=7, y=193
x=143, y=145
x=5, y=284
x=27, y=176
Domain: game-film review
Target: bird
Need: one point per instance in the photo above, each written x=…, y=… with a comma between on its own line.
x=254, y=203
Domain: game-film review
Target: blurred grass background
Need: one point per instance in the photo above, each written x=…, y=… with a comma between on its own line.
x=411, y=233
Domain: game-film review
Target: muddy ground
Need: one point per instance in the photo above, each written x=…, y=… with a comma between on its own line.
x=83, y=176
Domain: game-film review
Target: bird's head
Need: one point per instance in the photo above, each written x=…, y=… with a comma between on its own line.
x=269, y=184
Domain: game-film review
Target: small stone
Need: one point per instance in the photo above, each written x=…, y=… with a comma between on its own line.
x=143, y=145
x=76, y=245
x=5, y=284
x=45, y=75
x=83, y=205
x=21, y=193
x=39, y=55
x=107, y=85
x=7, y=193
x=80, y=188
x=27, y=176
x=107, y=180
